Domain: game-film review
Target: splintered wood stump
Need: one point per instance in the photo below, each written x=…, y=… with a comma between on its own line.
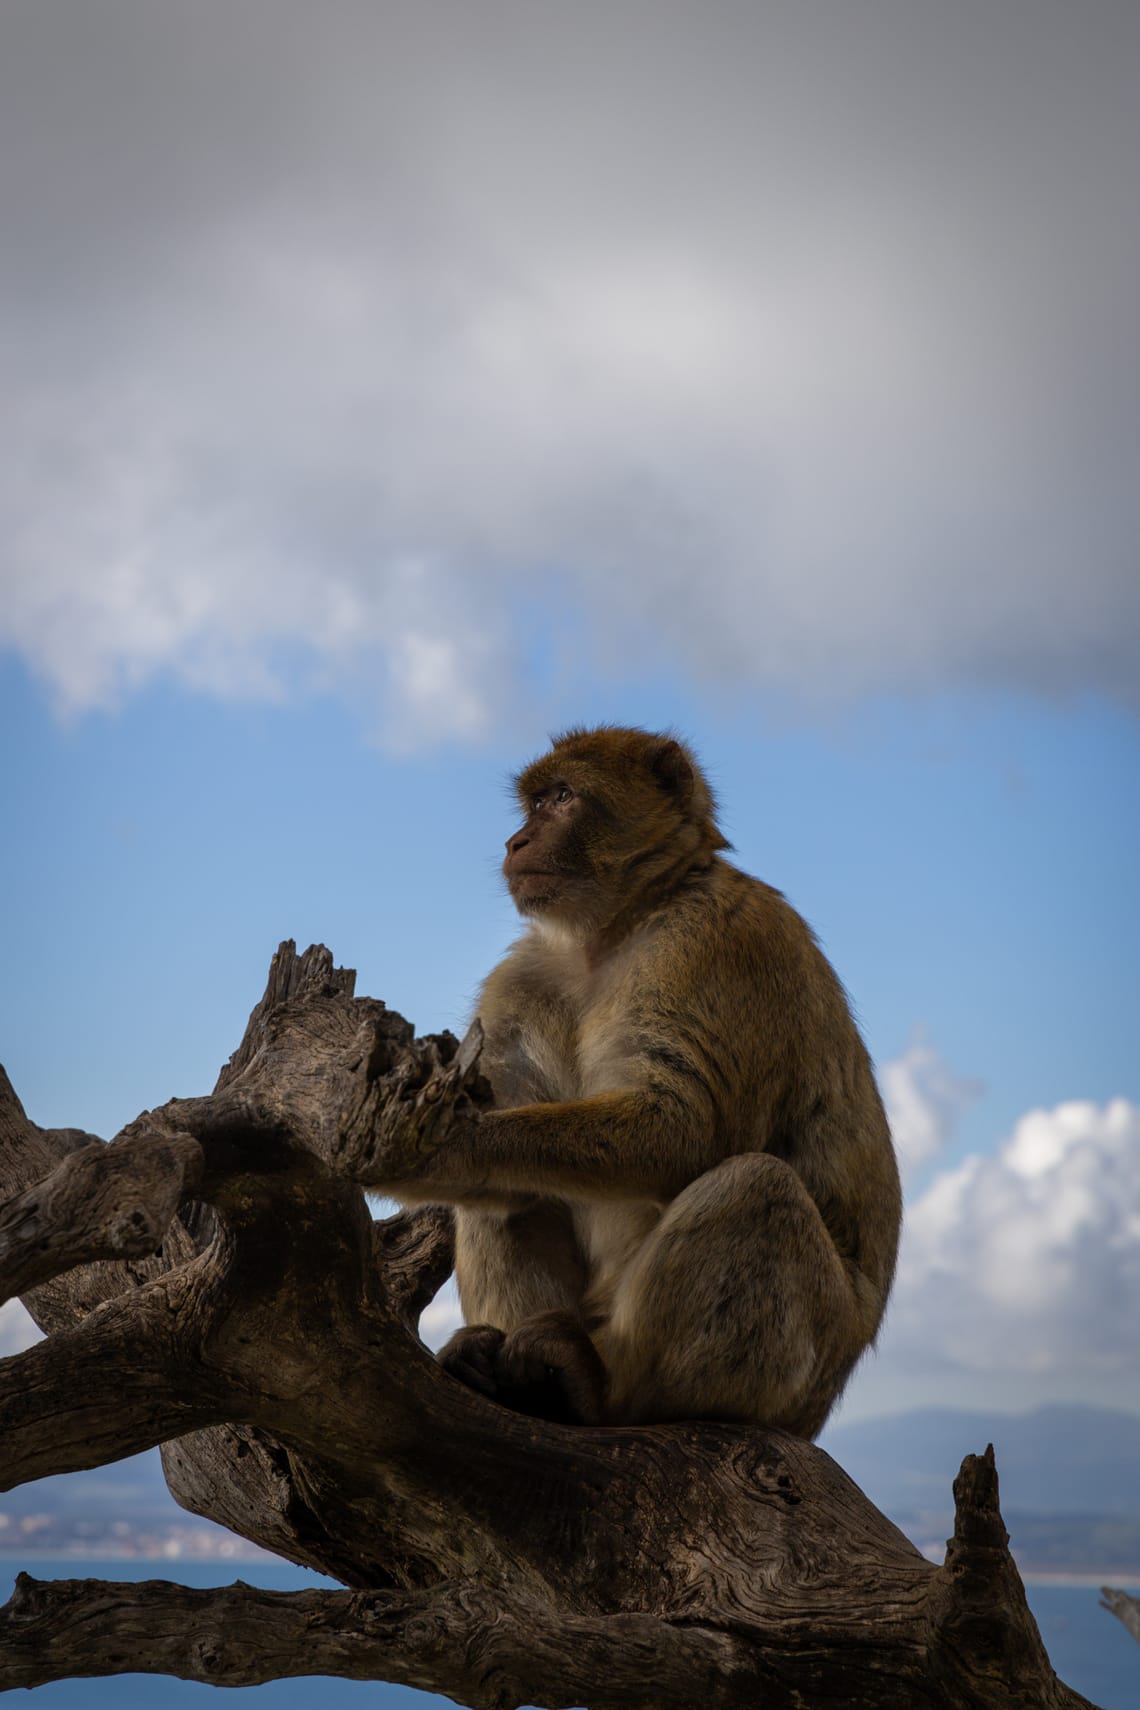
x=1125, y=1607
x=212, y=1282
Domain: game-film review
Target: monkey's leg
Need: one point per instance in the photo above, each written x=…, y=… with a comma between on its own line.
x=517, y=1270
x=737, y=1306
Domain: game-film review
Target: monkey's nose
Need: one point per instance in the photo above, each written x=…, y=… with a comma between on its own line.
x=517, y=842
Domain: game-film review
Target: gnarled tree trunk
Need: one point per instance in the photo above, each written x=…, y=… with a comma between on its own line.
x=212, y=1282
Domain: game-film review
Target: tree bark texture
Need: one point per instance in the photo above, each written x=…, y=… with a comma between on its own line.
x=212, y=1281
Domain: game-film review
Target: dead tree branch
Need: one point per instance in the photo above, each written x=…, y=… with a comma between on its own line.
x=250, y=1636
x=97, y=1204
x=1125, y=1607
x=211, y=1281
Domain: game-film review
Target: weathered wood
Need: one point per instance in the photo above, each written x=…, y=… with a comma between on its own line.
x=270, y=1348
x=98, y=1203
x=482, y=1652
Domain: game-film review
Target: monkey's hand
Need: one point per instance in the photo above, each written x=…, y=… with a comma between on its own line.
x=412, y=1107
x=417, y=1119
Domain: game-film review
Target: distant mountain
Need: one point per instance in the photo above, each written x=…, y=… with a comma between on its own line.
x=1055, y=1460
x=133, y=1489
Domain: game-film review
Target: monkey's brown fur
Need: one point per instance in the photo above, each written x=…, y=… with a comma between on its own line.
x=685, y=1203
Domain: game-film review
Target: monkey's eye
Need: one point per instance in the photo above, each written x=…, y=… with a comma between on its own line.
x=564, y=793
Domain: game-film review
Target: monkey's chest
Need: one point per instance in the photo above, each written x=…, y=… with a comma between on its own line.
x=553, y=1055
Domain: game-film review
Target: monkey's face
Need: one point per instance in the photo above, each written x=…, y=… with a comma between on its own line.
x=567, y=863
x=547, y=865
x=611, y=816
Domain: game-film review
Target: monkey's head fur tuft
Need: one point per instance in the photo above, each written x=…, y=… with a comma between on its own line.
x=615, y=820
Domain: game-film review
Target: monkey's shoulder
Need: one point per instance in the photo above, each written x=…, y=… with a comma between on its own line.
x=727, y=917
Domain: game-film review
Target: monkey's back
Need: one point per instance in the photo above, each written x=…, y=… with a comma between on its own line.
x=799, y=1081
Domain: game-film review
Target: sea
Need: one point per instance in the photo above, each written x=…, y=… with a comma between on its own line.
x=1089, y=1648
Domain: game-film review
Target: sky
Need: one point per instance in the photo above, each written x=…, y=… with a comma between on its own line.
x=388, y=386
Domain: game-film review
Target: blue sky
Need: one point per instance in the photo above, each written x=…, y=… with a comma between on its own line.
x=383, y=393
x=968, y=864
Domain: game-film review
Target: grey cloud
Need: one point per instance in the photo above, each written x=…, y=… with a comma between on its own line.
x=808, y=332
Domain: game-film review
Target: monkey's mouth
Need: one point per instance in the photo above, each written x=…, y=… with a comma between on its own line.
x=530, y=878
x=531, y=886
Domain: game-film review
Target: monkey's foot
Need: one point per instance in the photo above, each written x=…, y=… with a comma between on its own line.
x=550, y=1368
x=547, y=1368
x=469, y=1355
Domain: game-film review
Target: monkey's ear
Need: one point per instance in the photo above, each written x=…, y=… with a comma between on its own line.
x=673, y=770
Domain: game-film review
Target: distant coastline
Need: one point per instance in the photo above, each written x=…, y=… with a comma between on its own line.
x=1106, y=1576
x=240, y=1551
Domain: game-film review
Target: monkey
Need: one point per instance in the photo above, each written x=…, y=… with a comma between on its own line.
x=684, y=1203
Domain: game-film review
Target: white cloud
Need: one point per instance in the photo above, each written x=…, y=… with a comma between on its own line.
x=1019, y=1274
x=924, y=1097
x=801, y=349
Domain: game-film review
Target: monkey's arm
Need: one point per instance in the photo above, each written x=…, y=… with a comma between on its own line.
x=647, y=1143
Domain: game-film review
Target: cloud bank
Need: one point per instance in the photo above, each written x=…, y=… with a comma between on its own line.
x=353, y=349
x=1019, y=1274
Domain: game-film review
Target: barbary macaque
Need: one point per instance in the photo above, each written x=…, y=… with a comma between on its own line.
x=684, y=1203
